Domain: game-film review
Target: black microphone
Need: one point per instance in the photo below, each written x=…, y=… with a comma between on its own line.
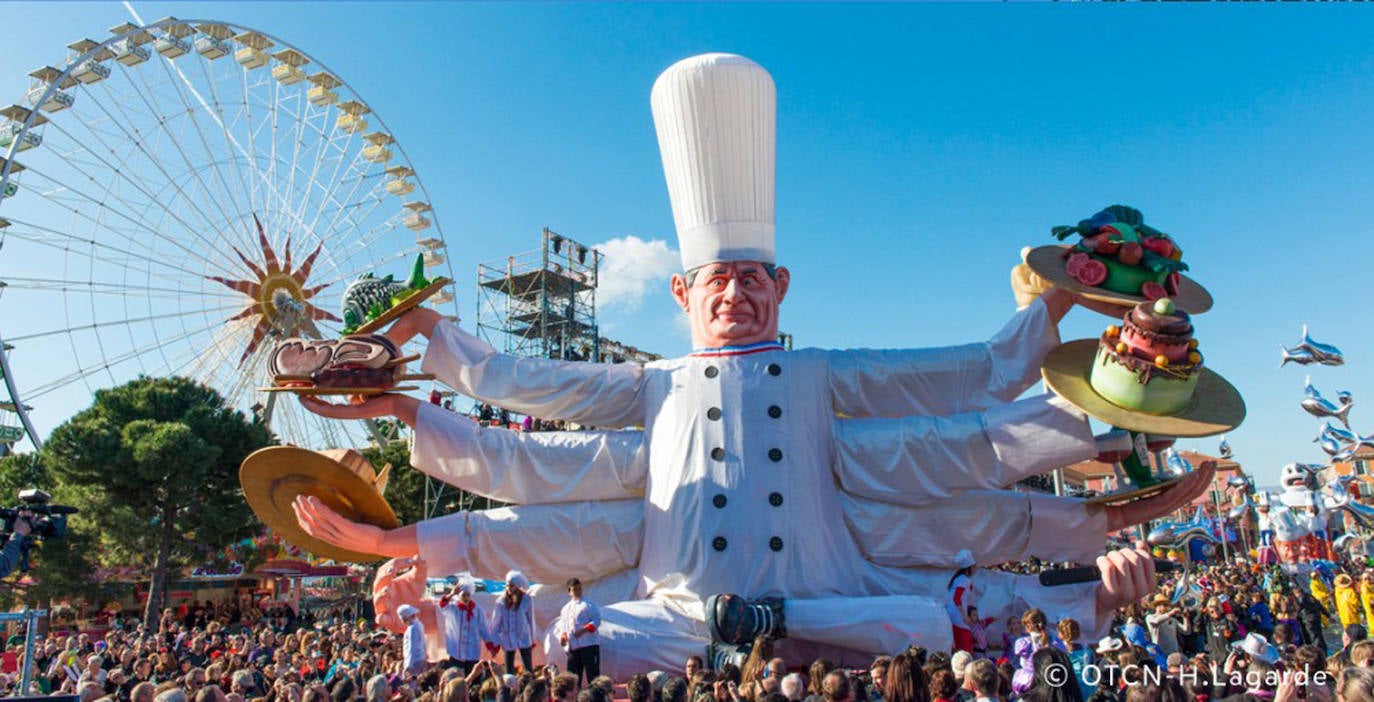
x=1088, y=574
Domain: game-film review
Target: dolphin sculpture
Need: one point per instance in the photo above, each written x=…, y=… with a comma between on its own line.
x=1317, y=406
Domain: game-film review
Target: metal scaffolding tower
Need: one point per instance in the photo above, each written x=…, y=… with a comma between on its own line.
x=543, y=302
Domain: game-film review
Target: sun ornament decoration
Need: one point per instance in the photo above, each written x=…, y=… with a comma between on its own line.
x=277, y=295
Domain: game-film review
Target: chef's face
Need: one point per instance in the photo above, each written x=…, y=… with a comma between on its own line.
x=732, y=303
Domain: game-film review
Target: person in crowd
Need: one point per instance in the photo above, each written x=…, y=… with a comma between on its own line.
x=1355, y=684
x=1037, y=637
x=1260, y=614
x=1312, y=613
x=1318, y=587
x=957, y=602
x=512, y=621
x=1081, y=657
x=465, y=626
x=413, y=642
x=577, y=625
x=1165, y=624
x=1049, y=664
x=943, y=687
x=986, y=681
x=1221, y=628
x=978, y=628
x=1348, y=606
x=835, y=687
x=906, y=680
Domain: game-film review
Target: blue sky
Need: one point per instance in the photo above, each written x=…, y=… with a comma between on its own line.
x=919, y=148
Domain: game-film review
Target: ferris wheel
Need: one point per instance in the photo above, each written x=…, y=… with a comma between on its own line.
x=178, y=196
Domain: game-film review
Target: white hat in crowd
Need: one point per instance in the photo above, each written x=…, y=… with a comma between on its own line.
x=517, y=579
x=1257, y=647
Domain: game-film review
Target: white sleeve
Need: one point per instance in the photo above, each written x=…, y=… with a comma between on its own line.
x=949, y=380
x=525, y=467
x=914, y=460
x=594, y=394
x=982, y=526
x=550, y=543
x=1003, y=595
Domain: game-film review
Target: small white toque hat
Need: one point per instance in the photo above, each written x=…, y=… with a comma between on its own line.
x=716, y=120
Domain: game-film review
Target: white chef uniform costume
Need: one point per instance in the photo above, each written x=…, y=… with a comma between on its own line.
x=851, y=483
x=465, y=628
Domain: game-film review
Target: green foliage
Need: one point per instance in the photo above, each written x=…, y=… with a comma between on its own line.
x=405, y=486
x=153, y=465
x=405, y=490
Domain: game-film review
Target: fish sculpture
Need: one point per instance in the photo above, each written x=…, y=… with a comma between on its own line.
x=1225, y=448
x=1238, y=512
x=1345, y=436
x=1344, y=541
x=1342, y=501
x=1300, y=357
x=1186, y=593
x=1310, y=351
x=1176, y=536
x=1176, y=465
x=1173, y=535
x=1317, y=406
x=369, y=296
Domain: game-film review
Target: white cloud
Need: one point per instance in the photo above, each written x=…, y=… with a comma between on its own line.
x=632, y=268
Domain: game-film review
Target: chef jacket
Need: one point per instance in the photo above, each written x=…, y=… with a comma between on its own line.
x=465, y=628
x=512, y=629
x=579, y=615
x=759, y=471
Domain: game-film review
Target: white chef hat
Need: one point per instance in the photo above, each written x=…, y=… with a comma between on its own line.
x=517, y=579
x=466, y=585
x=406, y=611
x=716, y=120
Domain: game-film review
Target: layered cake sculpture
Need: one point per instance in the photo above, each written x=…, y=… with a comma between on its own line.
x=359, y=361
x=1118, y=252
x=1150, y=363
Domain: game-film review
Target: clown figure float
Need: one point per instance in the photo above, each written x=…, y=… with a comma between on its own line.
x=1297, y=518
x=821, y=498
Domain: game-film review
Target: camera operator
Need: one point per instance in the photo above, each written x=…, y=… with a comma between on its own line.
x=13, y=551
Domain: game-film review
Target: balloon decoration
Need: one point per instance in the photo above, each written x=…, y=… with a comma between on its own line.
x=1343, y=501
x=1308, y=351
x=1320, y=407
x=1175, y=464
x=1175, y=536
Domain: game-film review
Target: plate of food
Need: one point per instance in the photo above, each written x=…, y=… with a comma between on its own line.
x=1146, y=374
x=1119, y=259
x=359, y=364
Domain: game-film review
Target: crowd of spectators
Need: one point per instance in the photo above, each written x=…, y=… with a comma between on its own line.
x=1242, y=633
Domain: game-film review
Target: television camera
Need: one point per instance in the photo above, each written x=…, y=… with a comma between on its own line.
x=47, y=522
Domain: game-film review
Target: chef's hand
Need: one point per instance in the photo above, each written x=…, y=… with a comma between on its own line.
x=419, y=320
x=1128, y=575
x=401, y=581
x=1027, y=285
x=1156, y=506
x=402, y=407
x=323, y=523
